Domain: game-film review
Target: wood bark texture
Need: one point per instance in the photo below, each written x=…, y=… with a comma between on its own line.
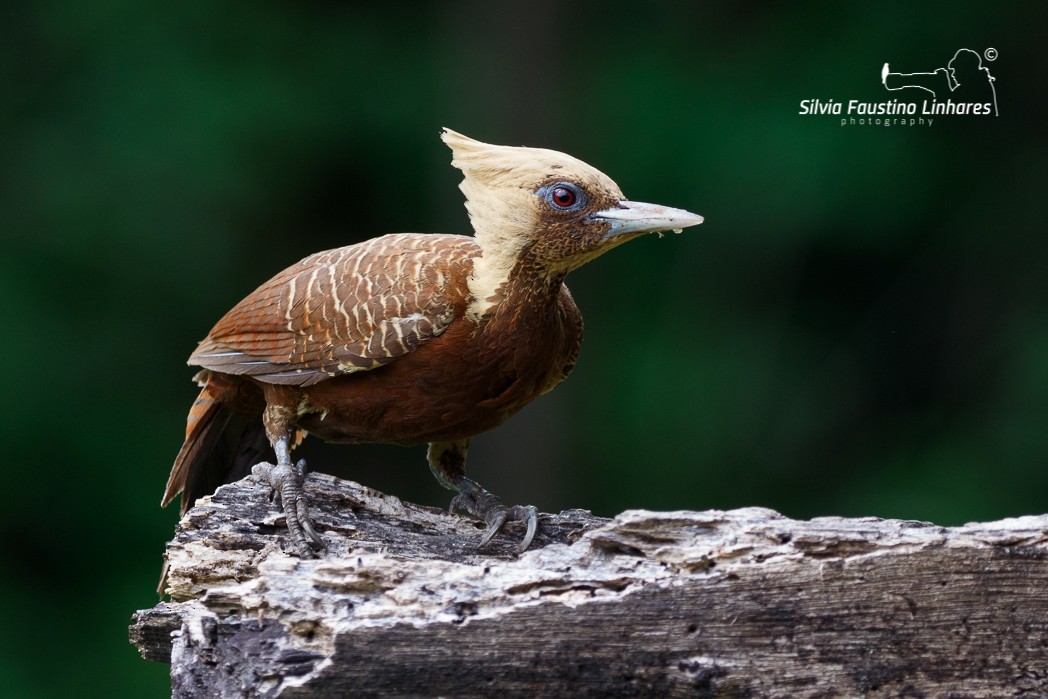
x=742, y=603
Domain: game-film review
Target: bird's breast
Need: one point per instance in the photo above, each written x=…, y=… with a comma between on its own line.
x=466, y=381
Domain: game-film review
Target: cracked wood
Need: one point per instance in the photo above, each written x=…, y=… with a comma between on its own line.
x=727, y=604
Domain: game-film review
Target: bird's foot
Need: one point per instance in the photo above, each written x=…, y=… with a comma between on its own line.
x=482, y=504
x=287, y=484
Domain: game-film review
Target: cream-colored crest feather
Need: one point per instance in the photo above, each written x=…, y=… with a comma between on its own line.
x=499, y=183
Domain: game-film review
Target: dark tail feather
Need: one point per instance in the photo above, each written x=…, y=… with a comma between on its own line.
x=221, y=446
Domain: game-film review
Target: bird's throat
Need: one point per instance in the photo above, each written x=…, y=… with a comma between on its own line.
x=504, y=290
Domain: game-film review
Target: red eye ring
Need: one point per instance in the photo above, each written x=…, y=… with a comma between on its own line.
x=563, y=197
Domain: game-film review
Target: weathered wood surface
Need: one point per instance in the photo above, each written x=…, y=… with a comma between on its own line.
x=744, y=603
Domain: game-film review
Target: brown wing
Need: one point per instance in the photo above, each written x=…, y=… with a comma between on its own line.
x=345, y=310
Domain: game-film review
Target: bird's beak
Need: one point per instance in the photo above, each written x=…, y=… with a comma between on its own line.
x=638, y=217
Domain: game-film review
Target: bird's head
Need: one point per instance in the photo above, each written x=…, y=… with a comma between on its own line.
x=551, y=207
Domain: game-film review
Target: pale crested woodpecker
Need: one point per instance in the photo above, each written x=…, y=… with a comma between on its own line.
x=411, y=338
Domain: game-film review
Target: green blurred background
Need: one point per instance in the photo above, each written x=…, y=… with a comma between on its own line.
x=859, y=328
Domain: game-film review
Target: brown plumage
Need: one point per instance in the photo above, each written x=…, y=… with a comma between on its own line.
x=411, y=338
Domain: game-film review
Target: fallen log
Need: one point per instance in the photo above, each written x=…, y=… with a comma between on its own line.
x=740, y=603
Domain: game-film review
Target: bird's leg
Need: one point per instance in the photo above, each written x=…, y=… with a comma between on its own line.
x=447, y=460
x=287, y=483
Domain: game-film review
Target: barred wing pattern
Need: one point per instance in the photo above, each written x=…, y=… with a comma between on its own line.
x=344, y=310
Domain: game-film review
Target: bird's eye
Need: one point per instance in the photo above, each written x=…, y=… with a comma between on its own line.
x=564, y=196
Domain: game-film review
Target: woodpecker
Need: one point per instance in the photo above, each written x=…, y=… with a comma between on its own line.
x=411, y=338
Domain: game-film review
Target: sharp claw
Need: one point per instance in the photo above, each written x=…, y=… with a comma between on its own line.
x=531, y=516
x=477, y=501
x=307, y=526
x=498, y=520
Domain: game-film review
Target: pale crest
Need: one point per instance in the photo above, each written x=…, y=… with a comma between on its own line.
x=499, y=183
